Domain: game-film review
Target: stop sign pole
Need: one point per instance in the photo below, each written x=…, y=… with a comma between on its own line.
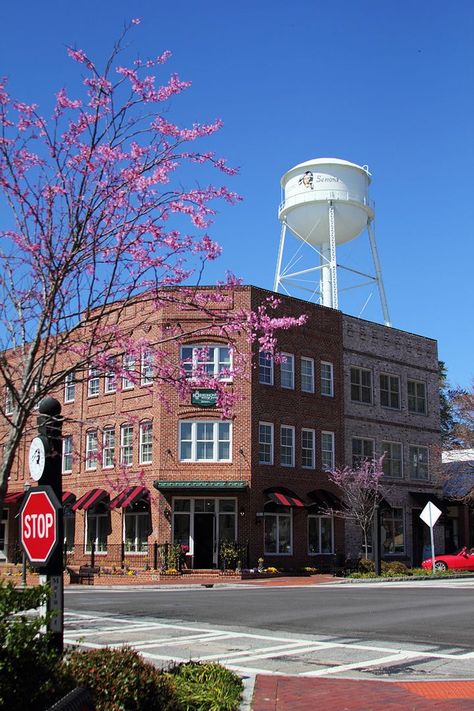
x=45, y=463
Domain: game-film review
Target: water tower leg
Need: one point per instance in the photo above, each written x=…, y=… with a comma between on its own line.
x=280, y=257
x=378, y=273
x=332, y=257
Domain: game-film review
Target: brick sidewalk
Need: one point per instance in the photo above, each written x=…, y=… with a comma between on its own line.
x=292, y=693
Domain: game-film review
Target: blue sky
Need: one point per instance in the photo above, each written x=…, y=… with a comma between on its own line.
x=387, y=83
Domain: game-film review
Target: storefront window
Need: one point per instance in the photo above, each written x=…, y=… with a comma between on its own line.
x=392, y=533
x=97, y=528
x=320, y=534
x=136, y=527
x=278, y=531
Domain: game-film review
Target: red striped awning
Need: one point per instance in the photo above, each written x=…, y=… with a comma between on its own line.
x=129, y=496
x=68, y=498
x=284, y=497
x=14, y=497
x=90, y=498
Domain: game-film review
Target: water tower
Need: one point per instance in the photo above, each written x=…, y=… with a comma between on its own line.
x=325, y=203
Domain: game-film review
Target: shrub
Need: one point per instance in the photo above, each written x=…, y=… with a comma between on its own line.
x=395, y=567
x=366, y=566
x=29, y=668
x=121, y=680
x=272, y=570
x=206, y=687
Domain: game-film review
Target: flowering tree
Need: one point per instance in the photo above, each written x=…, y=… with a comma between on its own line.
x=362, y=492
x=100, y=217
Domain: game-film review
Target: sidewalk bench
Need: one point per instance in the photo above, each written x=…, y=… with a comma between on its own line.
x=85, y=574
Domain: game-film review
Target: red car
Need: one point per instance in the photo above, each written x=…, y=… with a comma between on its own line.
x=464, y=560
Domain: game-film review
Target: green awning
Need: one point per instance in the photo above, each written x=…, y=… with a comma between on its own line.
x=199, y=484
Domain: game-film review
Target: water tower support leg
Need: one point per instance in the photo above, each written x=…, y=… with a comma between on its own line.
x=280, y=257
x=378, y=273
x=332, y=251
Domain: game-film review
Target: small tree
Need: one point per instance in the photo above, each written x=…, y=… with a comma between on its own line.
x=362, y=492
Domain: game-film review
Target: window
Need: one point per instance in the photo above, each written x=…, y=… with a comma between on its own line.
x=265, y=368
x=136, y=527
x=146, y=368
x=69, y=387
x=390, y=391
x=307, y=449
x=265, y=443
x=146, y=442
x=327, y=451
x=8, y=401
x=418, y=462
x=362, y=450
x=327, y=379
x=307, y=375
x=207, y=360
x=392, y=533
x=126, y=445
x=392, y=462
x=91, y=449
x=287, y=446
x=110, y=382
x=416, y=397
x=278, y=533
x=320, y=535
x=287, y=371
x=204, y=441
x=108, y=447
x=69, y=518
x=67, y=454
x=97, y=526
x=93, y=383
x=361, y=385
x=128, y=377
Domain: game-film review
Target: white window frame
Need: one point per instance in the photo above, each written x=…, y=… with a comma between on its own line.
x=389, y=392
x=138, y=545
x=325, y=451
x=419, y=447
x=363, y=456
x=146, y=442
x=319, y=518
x=279, y=516
x=387, y=448
x=270, y=444
x=126, y=444
x=307, y=378
x=146, y=368
x=96, y=517
x=93, y=382
x=325, y=390
x=217, y=426
x=383, y=516
x=67, y=458
x=290, y=447
x=287, y=371
x=8, y=401
x=92, y=449
x=70, y=387
x=424, y=399
x=110, y=380
x=361, y=386
x=206, y=361
x=108, y=447
x=129, y=365
x=312, y=433
x=265, y=365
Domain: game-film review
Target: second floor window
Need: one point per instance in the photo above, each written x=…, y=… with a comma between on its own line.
x=288, y=371
x=327, y=379
x=265, y=443
x=418, y=462
x=93, y=384
x=307, y=375
x=146, y=442
x=128, y=377
x=108, y=447
x=327, y=451
x=146, y=368
x=416, y=397
x=67, y=454
x=265, y=368
x=362, y=450
x=110, y=381
x=392, y=461
x=390, y=391
x=307, y=449
x=91, y=449
x=287, y=446
x=213, y=361
x=69, y=387
x=205, y=441
x=361, y=385
x=126, y=445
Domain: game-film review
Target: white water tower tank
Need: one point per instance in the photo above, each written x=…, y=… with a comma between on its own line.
x=309, y=187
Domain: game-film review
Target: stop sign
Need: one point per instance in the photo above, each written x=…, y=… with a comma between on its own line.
x=39, y=524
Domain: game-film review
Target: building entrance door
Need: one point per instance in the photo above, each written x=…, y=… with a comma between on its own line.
x=204, y=537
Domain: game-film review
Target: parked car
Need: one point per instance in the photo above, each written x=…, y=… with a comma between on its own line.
x=464, y=560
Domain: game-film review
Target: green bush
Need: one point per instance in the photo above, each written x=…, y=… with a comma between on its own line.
x=29, y=668
x=366, y=566
x=120, y=680
x=206, y=687
x=395, y=567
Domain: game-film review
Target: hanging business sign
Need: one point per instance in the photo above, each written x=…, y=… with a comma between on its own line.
x=204, y=397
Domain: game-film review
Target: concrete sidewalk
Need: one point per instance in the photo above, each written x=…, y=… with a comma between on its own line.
x=296, y=693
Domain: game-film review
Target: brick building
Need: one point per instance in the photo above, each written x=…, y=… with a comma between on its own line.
x=141, y=470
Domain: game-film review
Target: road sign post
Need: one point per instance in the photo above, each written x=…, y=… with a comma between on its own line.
x=430, y=515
